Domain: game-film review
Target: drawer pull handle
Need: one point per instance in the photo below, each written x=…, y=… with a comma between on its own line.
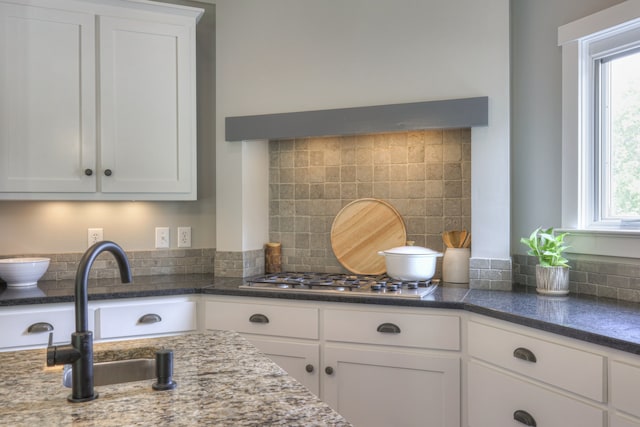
x=524, y=354
x=389, y=328
x=147, y=319
x=328, y=370
x=309, y=368
x=258, y=318
x=38, y=328
x=524, y=417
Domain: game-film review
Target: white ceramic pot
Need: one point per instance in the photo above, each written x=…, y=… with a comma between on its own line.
x=410, y=262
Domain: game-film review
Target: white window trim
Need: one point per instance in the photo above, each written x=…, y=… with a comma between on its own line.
x=577, y=111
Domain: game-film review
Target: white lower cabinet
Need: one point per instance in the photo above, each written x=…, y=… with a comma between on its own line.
x=30, y=326
x=301, y=360
x=496, y=398
x=387, y=387
x=377, y=367
x=143, y=317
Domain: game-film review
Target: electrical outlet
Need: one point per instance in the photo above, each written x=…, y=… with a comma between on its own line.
x=94, y=235
x=184, y=237
x=162, y=237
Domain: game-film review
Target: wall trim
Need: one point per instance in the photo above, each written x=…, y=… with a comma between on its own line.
x=443, y=114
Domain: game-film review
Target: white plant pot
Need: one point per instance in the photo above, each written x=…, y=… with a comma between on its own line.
x=552, y=280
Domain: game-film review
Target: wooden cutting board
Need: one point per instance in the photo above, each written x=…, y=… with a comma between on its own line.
x=361, y=229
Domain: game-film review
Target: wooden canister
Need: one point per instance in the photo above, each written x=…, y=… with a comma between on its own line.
x=273, y=258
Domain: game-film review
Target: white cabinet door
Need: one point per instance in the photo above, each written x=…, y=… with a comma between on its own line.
x=392, y=388
x=147, y=113
x=301, y=360
x=499, y=399
x=47, y=100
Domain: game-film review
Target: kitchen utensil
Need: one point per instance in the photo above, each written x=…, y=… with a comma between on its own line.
x=410, y=262
x=361, y=229
x=22, y=272
x=455, y=265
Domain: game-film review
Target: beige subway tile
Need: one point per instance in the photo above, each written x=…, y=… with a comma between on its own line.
x=434, y=207
x=286, y=159
x=433, y=153
x=381, y=190
x=332, y=157
x=317, y=174
x=381, y=156
x=316, y=158
x=398, y=172
x=348, y=190
x=364, y=189
x=332, y=173
x=301, y=159
x=364, y=173
x=301, y=191
x=287, y=175
x=416, y=189
x=416, y=171
x=301, y=175
x=332, y=190
x=398, y=190
x=287, y=191
x=381, y=173
x=452, y=207
x=452, y=152
x=364, y=156
x=433, y=189
x=348, y=174
x=316, y=191
x=452, y=189
x=348, y=155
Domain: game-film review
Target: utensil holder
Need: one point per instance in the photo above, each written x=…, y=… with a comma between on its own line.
x=455, y=265
x=273, y=258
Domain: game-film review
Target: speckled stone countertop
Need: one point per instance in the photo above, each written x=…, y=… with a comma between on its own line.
x=602, y=321
x=222, y=381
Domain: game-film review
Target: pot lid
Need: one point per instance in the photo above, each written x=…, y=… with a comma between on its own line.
x=411, y=250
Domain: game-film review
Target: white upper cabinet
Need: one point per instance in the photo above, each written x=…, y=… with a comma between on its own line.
x=47, y=100
x=97, y=101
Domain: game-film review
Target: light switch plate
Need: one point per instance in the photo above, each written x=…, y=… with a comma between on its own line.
x=162, y=237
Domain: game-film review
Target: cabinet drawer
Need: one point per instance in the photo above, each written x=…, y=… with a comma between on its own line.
x=264, y=319
x=497, y=399
x=391, y=328
x=618, y=420
x=571, y=369
x=625, y=387
x=145, y=319
x=31, y=328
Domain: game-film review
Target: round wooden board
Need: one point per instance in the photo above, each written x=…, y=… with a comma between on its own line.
x=361, y=229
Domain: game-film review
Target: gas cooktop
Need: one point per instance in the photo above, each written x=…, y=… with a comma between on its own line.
x=356, y=285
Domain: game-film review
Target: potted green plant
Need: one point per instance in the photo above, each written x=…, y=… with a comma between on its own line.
x=552, y=272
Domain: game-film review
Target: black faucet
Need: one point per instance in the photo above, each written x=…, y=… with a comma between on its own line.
x=80, y=352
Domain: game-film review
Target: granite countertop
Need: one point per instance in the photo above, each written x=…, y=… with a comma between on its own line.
x=602, y=321
x=222, y=380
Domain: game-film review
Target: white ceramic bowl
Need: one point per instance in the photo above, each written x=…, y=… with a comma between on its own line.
x=410, y=262
x=22, y=272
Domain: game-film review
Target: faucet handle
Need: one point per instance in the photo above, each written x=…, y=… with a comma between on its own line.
x=51, y=351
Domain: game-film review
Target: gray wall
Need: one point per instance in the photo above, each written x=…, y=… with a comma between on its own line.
x=536, y=110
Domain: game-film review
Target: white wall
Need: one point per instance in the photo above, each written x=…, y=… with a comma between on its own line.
x=292, y=55
x=537, y=110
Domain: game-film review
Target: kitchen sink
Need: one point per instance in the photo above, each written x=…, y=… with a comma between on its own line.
x=116, y=368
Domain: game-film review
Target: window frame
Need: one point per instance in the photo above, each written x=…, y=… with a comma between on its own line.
x=582, y=41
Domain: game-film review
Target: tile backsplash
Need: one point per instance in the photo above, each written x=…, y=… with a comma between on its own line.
x=63, y=266
x=425, y=175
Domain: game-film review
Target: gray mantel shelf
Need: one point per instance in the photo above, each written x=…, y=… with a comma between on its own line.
x=443, y=114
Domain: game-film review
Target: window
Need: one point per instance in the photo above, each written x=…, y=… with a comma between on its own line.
x=616, y=161
x=601, y=131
